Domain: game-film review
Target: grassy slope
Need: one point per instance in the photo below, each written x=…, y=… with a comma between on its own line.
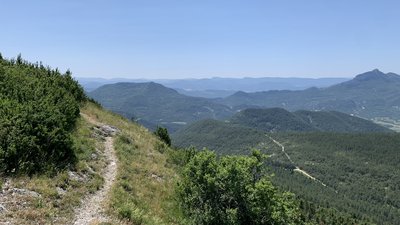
x=143, y=192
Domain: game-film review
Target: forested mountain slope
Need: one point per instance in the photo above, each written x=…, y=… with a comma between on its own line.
x=359, y=169
x=219, y=136
x=278, y=120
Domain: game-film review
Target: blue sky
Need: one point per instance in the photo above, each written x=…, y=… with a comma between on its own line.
x=188, y=38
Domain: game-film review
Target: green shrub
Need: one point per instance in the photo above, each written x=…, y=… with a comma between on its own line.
x=39, y=107
x=233, y=190
x=125, y=139
x=162, y=133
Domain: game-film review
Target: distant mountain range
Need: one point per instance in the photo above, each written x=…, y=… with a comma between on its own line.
x=369, y=95
x=220, y=87
x=372, y=94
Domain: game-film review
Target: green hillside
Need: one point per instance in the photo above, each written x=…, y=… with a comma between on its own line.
x=280, y=120
x=334, y=121
x=369, y=95
x=273, y=119
x=153, y=104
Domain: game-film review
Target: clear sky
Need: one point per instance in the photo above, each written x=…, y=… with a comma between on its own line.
x=205, y=38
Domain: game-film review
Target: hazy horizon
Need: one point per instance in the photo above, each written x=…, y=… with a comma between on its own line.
x=175, y=39
x=205, y=77
x=227, y=77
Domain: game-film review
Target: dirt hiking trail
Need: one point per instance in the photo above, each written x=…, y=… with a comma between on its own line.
x=91, y=211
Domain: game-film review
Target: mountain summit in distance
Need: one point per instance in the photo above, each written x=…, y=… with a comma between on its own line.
x=370, y=95
x=220, y=87
x=374, y=78
x=376, y=74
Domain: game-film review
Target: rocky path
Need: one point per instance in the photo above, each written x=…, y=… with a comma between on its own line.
x=91, y=210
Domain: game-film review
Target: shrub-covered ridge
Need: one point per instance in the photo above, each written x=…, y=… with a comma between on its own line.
x=38, y=110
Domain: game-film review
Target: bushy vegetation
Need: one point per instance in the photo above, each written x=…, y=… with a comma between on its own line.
x=39, y=107
x=60, y=193
x=162, y=133
x=233, y=190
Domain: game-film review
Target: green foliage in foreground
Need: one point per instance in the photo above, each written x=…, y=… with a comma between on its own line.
x=39, y=107
x=233, y=190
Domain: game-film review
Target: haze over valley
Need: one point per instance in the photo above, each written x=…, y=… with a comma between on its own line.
x=372, y=95
x=200, y=112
